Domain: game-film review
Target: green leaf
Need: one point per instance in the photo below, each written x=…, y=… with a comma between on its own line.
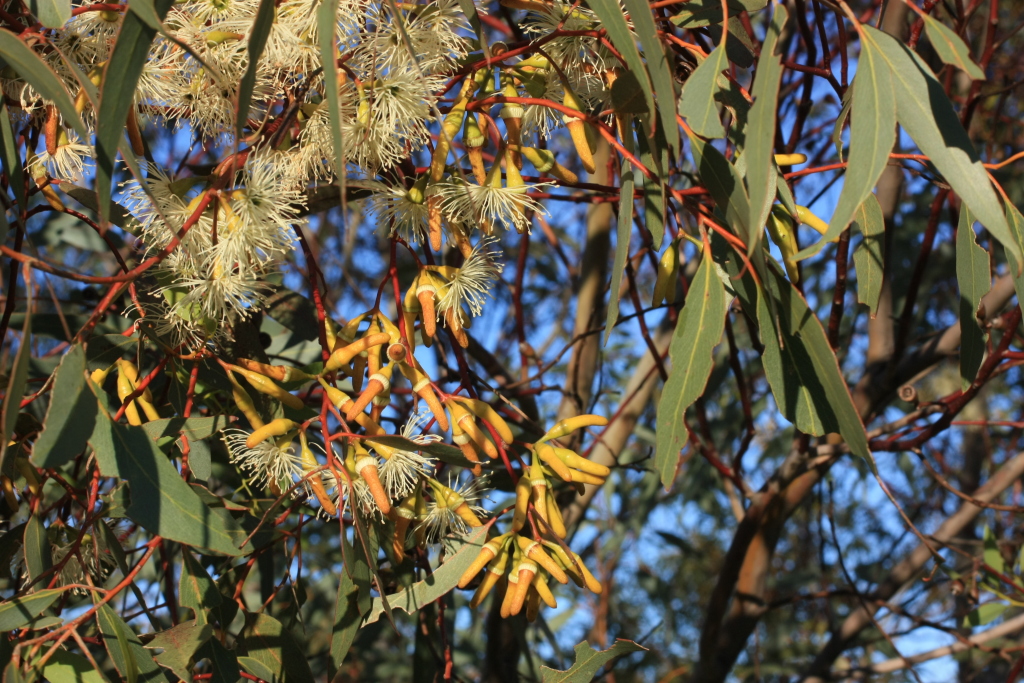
x=179, y=644
x=161, y=502
x=38, y=556
x=255, y=43
x=116, y=214
x=926, y=114
x=950, y=47
x=624, y=227
x=464, y=550
x=663, y=82
x=627, y=95
x=762, y=178
x=974, y=278
x=50, y=13
x=223, y=662
x=697, y=103
x=983, y=614
x=10, y=159
x=614, y=22
x=698, y=13
x=992, y=556
x=117, y=95
x=67, y=667
x=1016, y=222
x=195, y=428
x=326, y=21
x=257, y=669
x=347, y=622
x=844, y=113
x=868, y=258
x=725, y=185
x=872, y=136
x=131, y=659
x=18, y=612
x=40, y=76
x=697, y=333
x=652, y=156
x=804, y=374
x=588, y=662
x=196, y=590
x=15, y=389
x=266, y=640
x=72, y=414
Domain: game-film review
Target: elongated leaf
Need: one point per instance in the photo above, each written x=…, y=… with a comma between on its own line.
x=869, y=256
x=50, y=13
x=445, y=578
x=326, y=22
x=974, y=278
x=117, y=95
x=126, y=650
x=38, y=555
x=872, y=136
x=697, y=13
x=196, y=428
x=760, y=136
x=254, y=47
x=72, y=414
x=161, y=502
x=40, y=76
x=652, y=156
x=179, y=645
x=266, y=640
x=18, y=612
x=67, y=667
x=624, y=227
x=983, y=614
x=662, y=80
x=697, y=103
x=614, y=22
x=1016, y=222
x=951, y=48
x=196, y=590
x=10, y=158
x=116, y=214
x=223, y=662
x=926, y=114
x=15, y=390
x=724, y=183
x=804, y=374
x=588, y=662
x=837, y=129
x=696, y=335
x=347, y=622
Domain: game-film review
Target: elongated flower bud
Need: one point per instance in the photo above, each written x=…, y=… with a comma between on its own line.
x=555, y=519
x=782, y=230
x=523, y=490
x=540, y=585
x=524, y=577
x=495, y=573
x=366, y=466
x=577, y=129
x=668, y=272
x=535, y=551
x=278, y=427
x=265, y=385
x=571, y=424
x=544, y=161
x=790, y=159
x=485, y=411
x=379, y=382
x=488, y=552
x=421, y=387
x=344, y=356
x=244, y=402
x=403, y=515
x=573, y=460
x=280, y=373
x=547, y=454
x=309, y=463
x=512, y=115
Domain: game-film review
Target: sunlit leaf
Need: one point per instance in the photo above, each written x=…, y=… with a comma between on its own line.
x=697, y=103
x=869, y=256
x=588, y=662
x=255, y=44
x=950, y=47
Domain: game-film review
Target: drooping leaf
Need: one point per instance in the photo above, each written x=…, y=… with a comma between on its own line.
x=725, y=185
x=926, y=114
x=15, y=390
x=697, y=103
x=760, y=135
x=697, y=333
x=802, y=371
x=653, y=157
x=974, y=278
x=40, y=76
x=223, y=662
x=844, y=114
x=983, y=614
x=179, y=645
x=126, y=650
x=72, y=414
x=1016, y=222
x=67, y=667
x=624, y=227
x=697, y=13
x=117, y=94
x=196, y=590
x=195, y=428
x=464, y=551
x=161, y=502
x=872, y=136
x=50, y=13
x=662, y=80
x=10, y=159
x=326, y=22
x=255, y=44
x=38, y=555
x=627, y=95
x=18, y=612
x=588, y=662
x=266, y=640
x=347, y=622
x=869, y=256
x=950, y=47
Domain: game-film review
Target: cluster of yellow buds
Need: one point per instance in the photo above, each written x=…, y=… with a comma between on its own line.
x=127, y=384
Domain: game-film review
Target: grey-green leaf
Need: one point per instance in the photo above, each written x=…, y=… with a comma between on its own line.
x=869, y=256
x=974, y=278
x=50, y=13
x=18, y=612
x=72, y=414
x=697, y=103
x=266, y=640
x=624, y=227
x=38, y=555
x=196, y=590
x=67, y=667
x=126, y=650
x=662, y=80
x=10, y=158
x=724, y=183
x=926, y=114
x=179, y=644
x=326, y=20
x=347, y=621
x=254, y=47
x=872, y=136
x=588, y=662
x=40, y=76
x=15, y=389
x=614, y=22
x=951, y=48
x=697, y=333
